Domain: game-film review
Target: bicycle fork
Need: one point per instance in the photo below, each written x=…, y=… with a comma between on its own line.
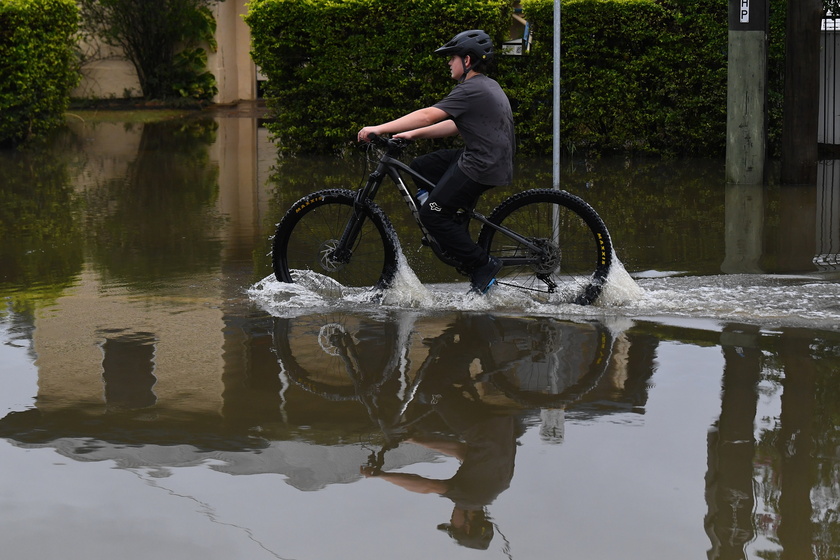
x=341, y=251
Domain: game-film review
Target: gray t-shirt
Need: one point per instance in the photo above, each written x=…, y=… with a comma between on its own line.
x=481, y=111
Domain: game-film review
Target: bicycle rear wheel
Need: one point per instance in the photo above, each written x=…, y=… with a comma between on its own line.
x=552, y=376
x=308, y=234
x=574, y=247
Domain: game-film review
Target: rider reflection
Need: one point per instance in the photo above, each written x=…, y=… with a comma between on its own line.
x=482, y=376
x=483, y=439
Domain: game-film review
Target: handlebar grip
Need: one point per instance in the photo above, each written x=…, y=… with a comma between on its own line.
x=390, y=143
x=376, y=139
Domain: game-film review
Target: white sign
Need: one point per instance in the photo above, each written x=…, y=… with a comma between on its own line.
x=745, y=11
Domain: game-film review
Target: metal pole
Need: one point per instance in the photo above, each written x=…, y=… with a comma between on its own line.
x=556, y=90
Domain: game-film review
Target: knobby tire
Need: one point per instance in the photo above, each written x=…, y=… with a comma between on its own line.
x=576, y=254
x=315, y=223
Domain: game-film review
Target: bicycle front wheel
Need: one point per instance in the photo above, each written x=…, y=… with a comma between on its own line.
x=336, y=356
x=307, y=237
x=570, y=249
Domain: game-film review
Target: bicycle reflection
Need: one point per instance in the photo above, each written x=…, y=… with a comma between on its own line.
x=462, y=389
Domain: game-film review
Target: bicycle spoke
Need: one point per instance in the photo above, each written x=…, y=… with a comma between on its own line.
x=567, y=245
x=307, y=242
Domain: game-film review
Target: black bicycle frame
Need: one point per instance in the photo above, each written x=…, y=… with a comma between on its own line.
x=391, y=167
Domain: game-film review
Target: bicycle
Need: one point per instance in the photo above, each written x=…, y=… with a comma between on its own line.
x=532, y=362
x=405, y=381
x=549, y=241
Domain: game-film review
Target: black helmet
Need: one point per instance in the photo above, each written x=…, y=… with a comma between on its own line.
x=477, y=532
x=474, y=42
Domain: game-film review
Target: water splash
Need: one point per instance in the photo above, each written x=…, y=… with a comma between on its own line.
x=406, y=290
x=619, y=288
x=313, y=290
x=770, y=300
x=280, y=298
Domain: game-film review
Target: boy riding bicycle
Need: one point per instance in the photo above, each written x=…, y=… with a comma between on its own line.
x=478, y=110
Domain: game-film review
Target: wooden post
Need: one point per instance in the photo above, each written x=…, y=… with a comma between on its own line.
x=746, y=99
x=802, y=92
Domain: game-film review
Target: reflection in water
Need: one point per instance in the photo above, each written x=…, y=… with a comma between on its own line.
x=508, y=362
x=127, y=340
x=828, y=215
x=744, y=229
x=409, y=387
x=523, y=361
x=128, y=370
x=157, y=220
x=41, y=245
x=459, y=399
x=765, y=485
x=729, y=482
x=802, y=235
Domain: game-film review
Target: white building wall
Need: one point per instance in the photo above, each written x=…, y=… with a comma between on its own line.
x=231, y=64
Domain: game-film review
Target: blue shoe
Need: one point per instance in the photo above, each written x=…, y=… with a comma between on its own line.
x=484, y=277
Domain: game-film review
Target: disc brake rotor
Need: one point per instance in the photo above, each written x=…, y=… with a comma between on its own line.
x=327, y=250
x=549, y=258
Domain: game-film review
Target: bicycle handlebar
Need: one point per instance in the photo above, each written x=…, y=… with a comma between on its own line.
x=390, y=144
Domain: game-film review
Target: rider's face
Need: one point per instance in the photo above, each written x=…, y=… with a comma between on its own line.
x=456, y=66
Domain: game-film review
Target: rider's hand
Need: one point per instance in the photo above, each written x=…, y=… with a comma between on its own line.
x=365, y=132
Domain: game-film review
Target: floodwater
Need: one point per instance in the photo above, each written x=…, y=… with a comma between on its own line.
x=161, y=396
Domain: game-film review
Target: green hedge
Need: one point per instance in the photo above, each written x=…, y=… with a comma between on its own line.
x=336, y=65
x=37, y=65
x=637, y=76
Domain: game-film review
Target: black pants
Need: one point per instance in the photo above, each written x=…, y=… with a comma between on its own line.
x=453, y=191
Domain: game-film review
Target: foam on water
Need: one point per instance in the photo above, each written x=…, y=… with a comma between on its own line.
x=315, y=291
x=759, y=299
x=752, y=298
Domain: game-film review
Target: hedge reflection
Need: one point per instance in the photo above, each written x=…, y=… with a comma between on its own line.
x=40, y=238
x=662, y=214
x=159, y=220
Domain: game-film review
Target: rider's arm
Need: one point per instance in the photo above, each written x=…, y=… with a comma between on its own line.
x=414, y=482
x=437, y=130
x=420, y=118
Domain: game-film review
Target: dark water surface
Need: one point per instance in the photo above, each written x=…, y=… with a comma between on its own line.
x=161, y=396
